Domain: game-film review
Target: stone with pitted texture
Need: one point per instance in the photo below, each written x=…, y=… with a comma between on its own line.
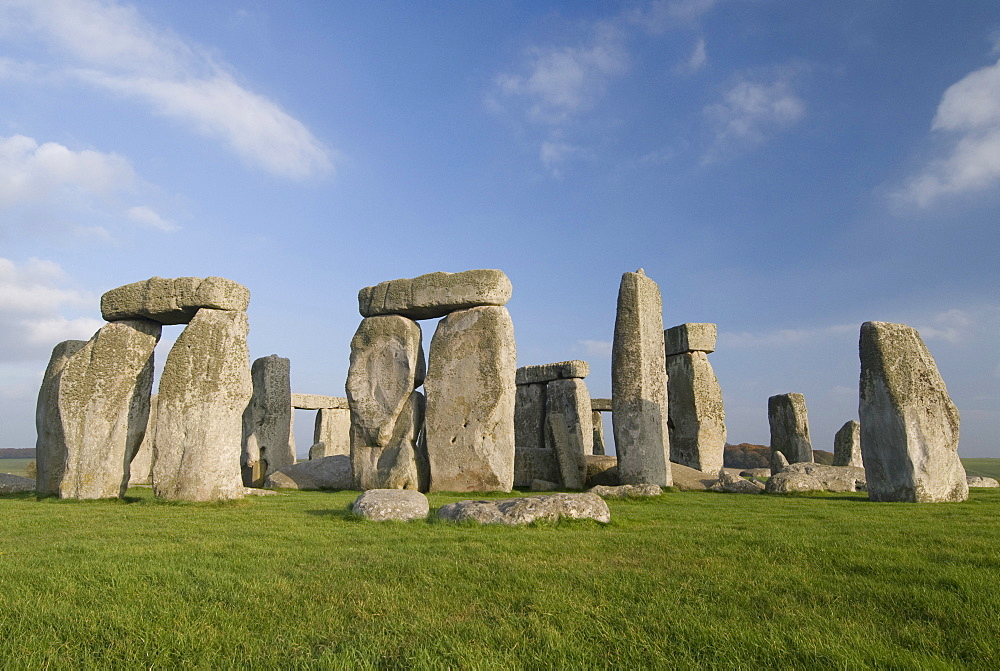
x=909, y=425
x=786, y=413
x=734, y=484
x=833, y=478
x=563, y=370
x=690, y=338
x=50, y=443
x=204, y=389
x=696, y=412
x=639, y=384
x=568, y=428
x=435, y=294
x=787, y=482
x=173, y=300
x=324, y=473
x=980, y=481
x=529, y=416
x=402, y=462
x=319, y=402
x=520, y=511
x=470, y=388
x=268, y=441
x=535, y=463
x=847, y=445
x=381, y=505
x=141, y=468
x=626, y=491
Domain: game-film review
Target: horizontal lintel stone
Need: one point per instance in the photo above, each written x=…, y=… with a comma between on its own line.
x=690, y=338
x=435, y=294
x=173, y=300
x=562, y=370
x=318, y=402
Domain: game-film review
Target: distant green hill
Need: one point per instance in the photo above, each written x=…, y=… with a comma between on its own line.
x=985, y=467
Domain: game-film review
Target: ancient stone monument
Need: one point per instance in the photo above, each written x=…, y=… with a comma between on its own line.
x=639, y=384
x=141, y=468
x=909, y=425
x=697, y=418
x=268, y=442
x=597, y=407
x=332, y=428
x=786, y=413
x=847, y=445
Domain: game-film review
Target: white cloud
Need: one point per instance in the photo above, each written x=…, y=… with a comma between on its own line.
x=111, y=46
x=597, y=347
x=664, y=14
x=147, y=217
x=697, y=60
x=751, y=111
x=969, y=117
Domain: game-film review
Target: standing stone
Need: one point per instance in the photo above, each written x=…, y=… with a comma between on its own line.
x=569, y=429
x=103, y=399
x=267, y=421
x=847, y=445
x=778, y=462
x=697, y=414
x=786, y=413
x=529, y=415
x=204, y=389
x=332, y=431
x=141, y=469
x=598, y=423
x=387, y=364
x=470, y=402
x=639, y=384
x=50, y=444
x=909, y=425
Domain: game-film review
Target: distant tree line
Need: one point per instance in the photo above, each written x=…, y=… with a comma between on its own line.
x=17, y=453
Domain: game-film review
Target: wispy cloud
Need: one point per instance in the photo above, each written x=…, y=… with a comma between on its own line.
x=697, y=60
x=144, y=215
x=599, y=348
x=109, y=45
x=663, y=15
x=968, y=119
x=782, y=337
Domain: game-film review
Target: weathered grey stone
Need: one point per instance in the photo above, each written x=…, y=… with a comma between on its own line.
x=331, y=433
x=268, y=441
x=141, y=468
x=387, y=364
x=568, y=428
x=690, y=338
x=12, y=484
x=519, y=511
x=103, y=397
x=691, y=480
x=544, y=486
x=601, y=470
x=639, y=384
x=470, y=402
x=909, y=426
x=778, y=462
x=791, y=481
x=598, y=423
x=435, y=294
x=391, y=504
x=980, y=481
x=204, y=389
x=319, y=402
x=847, y=445
x=173, y=301
x=833, y=478
x=786, y=413
x=50, y=444
x=535, y=463
x=734, y=484
x=761, y=473
x=600, y=404
x=325, y=473
x=529, y=416
x=697, y=417
x=626, y=491
x=552, y=371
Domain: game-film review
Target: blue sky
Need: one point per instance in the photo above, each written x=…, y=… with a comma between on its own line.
x=787, y=170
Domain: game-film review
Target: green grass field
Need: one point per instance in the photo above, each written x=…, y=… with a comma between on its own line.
x=689, y=580
x=15, y=466
x=988, y=468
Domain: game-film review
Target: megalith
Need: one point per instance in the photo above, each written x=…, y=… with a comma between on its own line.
x=268, y=444
x=204, y=389
x=697, y=417
x=387, y=365
x=569, y=428
x=470, y=390
x=50, y=443
x=639, y=384
x=909, y=425
x=597, y=421
x=141, y=469
x=786, y=413
x=173, y=300
x=332, y=431
x=435, y=294
x=103, y=396
x=847, y=445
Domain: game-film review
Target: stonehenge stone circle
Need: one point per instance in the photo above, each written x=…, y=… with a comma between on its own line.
x=909, y=425
x=535, y=463
x=141, y=469
x=102, y=405
x=547, y=372
x=268, y=441
x=786, y=413
x=469, y=425
x=50, y=443
x=387, y=365
x=520, y=511
x=639, y=384
x=847, y=445
x=204, y=389
x=529, y=416
x=435, y=294
x=323, y=473
x=598, y=423
x=331, y=433
x=625, y=491
x=391, y=504
x=173, y=301
x=697, y=417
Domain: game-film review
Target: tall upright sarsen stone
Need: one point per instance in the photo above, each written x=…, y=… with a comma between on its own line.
x=470, y=401
x=847, y=445
x=789, y=421
x=909, y=425
x=639, y=384
x=204, y=389
x=267, y=421
x=50, y=444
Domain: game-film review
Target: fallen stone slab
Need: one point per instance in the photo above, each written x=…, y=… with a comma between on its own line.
x=833, y=478
x=253, y=491
x=979, y=481
x=318, y=402
x=787, y=482
x=11, y=484
x=690, y=338
x=173, y=300
x=563, y=370
x=688, y=479
x=326, y=473
x=391, y=504
x=526, y=510
x=733, y=484
x=626, y=491
x=756, y=473
x=435, y=294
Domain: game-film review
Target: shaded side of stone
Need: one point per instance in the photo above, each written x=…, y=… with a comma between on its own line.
x=267, y=421
x=789, y=421
x=333, y=430
x=529, y=416
x=602, y=470
x=696, y=412
x=569, y=431
x=321, y=473
x=141, y=468
x=50, y=443
x=535, y=463
x=598, y=423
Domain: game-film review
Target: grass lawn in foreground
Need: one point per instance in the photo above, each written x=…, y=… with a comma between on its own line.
x=687, y=580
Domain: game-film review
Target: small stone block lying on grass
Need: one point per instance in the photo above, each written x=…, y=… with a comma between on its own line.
x=756, y=472
x=10, y=484
x=326, y=473
x=391, y=504
x=833, y=478
x=978, y=481
x=734, y=484
x=625, y=491
x=528, y=509
x=792, y=481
